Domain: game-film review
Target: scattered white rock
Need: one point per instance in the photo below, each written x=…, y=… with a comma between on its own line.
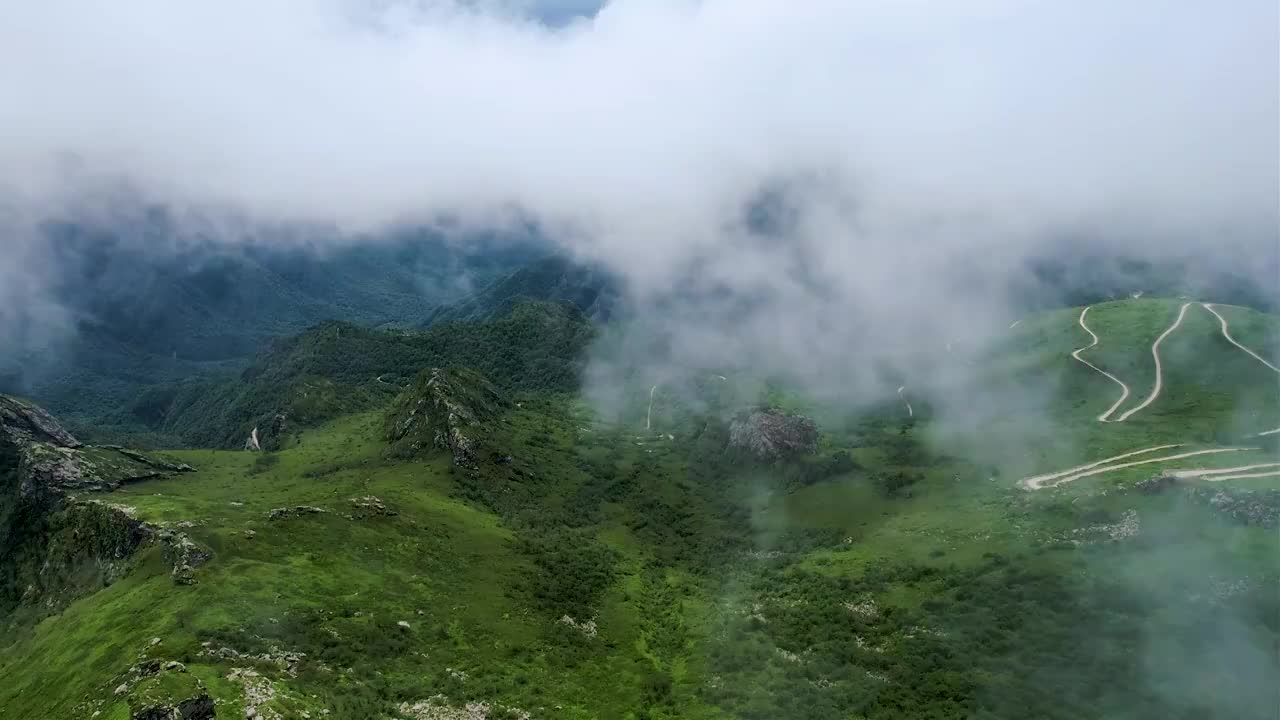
x=787, y=655
x=258, y=691
x=865, y=608
x=438, y=708
x=588, y=628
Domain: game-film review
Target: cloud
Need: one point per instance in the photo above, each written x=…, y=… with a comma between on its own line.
x=911, y=152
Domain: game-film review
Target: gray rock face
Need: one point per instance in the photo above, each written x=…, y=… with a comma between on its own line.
x=772, y=434
x=22, y=421
x=48, y=460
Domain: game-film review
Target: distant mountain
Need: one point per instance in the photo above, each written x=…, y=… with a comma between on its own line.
x=592, y=290
x=144, y=311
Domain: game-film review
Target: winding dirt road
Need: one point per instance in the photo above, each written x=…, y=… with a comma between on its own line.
x=1208, y=473
x=649, y=415
x=905, y=401
x=1155, y=353
x=1124, y=389
x=1244, y=476
x=1109, y=468
x=1226, y=333
x=1103, y=466
x=1037, y=482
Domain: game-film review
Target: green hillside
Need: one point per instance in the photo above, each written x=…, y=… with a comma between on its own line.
x=1032, y=392
x=572, y=566
x=336, y=368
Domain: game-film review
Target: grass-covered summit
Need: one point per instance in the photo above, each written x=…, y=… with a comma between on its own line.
x=337, y=368
x=445, y=409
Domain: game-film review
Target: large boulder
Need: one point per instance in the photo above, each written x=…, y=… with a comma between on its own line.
x=770, y=434
x=445, y=409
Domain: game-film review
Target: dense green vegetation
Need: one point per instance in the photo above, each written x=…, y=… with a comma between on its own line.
x=338, y=368
x=588, y=568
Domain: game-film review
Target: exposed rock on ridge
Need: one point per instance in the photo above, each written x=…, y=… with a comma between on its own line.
x=23, y=421
x=770, y=434
x=447, y=410
x=55, y=546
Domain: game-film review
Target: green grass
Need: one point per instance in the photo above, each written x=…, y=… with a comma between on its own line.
x=719, y=586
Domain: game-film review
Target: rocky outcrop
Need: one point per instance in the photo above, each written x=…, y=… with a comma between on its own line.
x=23, y=421
x=269, y=440
x=159, y=690
x=446, y=410
x=770, y=434
x=369, y=506
x=284, y=513
x=56, y=543
x=183, y=554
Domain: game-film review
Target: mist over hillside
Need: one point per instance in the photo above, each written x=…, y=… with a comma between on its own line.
x=639, y=359
x=133, y=304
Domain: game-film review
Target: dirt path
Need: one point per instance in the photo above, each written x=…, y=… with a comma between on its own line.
x=1155, y=353
x=1037, y=482
x=1244, y=476
x=1124, y=394
x=910, y=412
x=1109, y=468
x=1227, y=334
x=649, y=416
x=1207, y=472
x=1269, y=432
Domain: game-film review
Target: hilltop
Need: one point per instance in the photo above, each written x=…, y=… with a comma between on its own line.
x=336, y=368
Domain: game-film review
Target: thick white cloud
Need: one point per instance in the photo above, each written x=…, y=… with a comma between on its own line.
x=910, y=136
